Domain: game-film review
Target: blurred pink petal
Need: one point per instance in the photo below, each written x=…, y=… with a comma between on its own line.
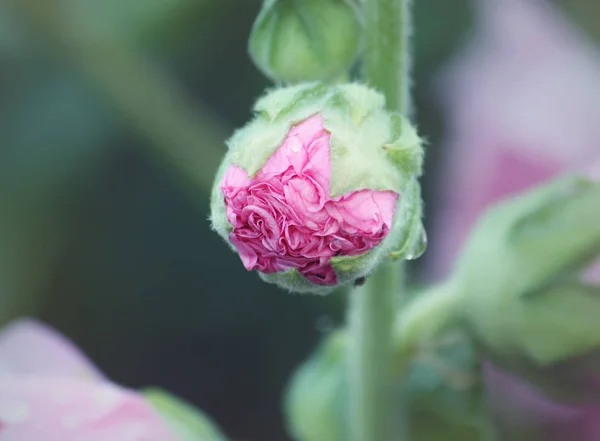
x=505, y=389
x=522, y=104
x=46, y=393
x=56, y=409
x=29, y=347
x=523, y=413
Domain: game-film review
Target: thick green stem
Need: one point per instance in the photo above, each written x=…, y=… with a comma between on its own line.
x=373, y=306
x=386, y=62
x=371, y=318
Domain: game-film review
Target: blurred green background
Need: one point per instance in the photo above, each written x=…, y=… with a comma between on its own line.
x=112, y=120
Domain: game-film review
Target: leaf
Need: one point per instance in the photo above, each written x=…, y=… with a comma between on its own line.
x=188, y=422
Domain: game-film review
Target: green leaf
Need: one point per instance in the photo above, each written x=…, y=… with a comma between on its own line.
x=186, y=421
x=560, y=322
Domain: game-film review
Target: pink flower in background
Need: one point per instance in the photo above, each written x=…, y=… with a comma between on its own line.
x=284, y=218
x=49, y=391
x=523, y=104
x=522, y=413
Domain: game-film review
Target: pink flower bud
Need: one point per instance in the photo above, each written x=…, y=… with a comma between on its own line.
x=284, y=217
x=319, y=187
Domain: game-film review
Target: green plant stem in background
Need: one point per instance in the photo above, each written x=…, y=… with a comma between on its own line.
x=432, y=311
x=372, y=307
x=145, y=97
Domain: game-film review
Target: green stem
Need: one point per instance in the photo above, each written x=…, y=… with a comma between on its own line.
x=372, y=307
x=423, y=319
x=386, y=62
x=371, y=317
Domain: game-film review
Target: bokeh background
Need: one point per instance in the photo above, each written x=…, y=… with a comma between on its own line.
x=113, y=115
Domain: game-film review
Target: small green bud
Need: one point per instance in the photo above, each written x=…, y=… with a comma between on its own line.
x=520, y=254
x=320, y=187
x=305, y=40
x=518, y=289
x=189, y=423
x=315, y=403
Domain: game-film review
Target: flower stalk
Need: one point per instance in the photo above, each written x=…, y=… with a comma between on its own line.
x=372, y=306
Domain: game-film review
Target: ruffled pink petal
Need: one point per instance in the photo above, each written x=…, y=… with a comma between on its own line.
x=365, y=210
x=294, y=150
x=235, y=177
x=29, y=347
x=320, y=275
x=245, y=251
x=319, y=164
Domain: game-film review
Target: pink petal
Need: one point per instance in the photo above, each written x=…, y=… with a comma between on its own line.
x=519, y=401
x=55, y=409
x=294, y=152
x=29, y=347
x=235, y=177
x=365, y=210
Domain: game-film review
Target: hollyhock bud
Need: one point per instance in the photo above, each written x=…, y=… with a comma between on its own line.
x=319, y=187
x=305, y=40
x=521, y=288
x=49, y=391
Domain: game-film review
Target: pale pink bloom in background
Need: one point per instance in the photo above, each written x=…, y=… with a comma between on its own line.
x=522, y=413
x=49, y=391
x=593, y=273
x=284, y=217
x=523, y=105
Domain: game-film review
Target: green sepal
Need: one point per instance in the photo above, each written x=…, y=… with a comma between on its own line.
x=315, y=401
x=406, y=147
x=294, y=282
x=187, y=422
x=408, y=234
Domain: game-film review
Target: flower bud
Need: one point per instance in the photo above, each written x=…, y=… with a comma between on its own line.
x=319, y=187
x=519, y=279
x=315, y=403
x=305, y=40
